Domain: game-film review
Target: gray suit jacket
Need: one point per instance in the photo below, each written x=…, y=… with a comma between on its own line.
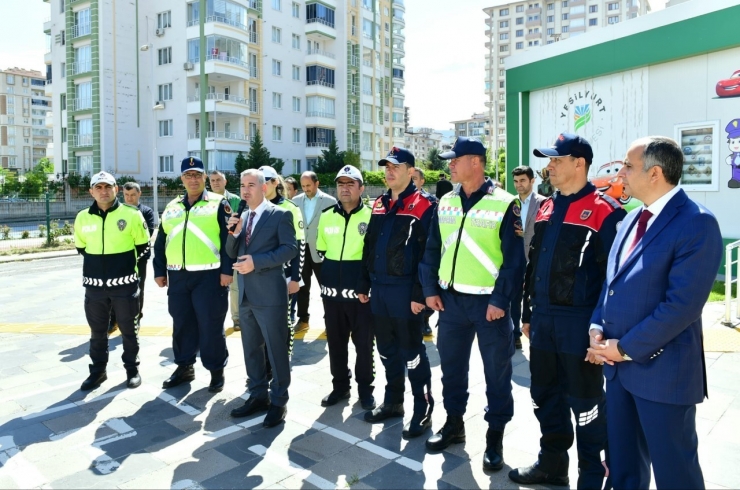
x=312, y=222
x=534, y=206
x=272, y=245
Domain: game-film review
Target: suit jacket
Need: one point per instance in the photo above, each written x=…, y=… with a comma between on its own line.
x=534, y=206
x=653, y=302
x=312, y=222
x=272, y=245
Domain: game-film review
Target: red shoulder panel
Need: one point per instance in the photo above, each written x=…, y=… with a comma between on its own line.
x=545, y=211
x=589, y=211
x=415, y=205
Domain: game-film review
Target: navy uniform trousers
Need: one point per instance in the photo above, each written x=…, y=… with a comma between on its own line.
x=124, y=301
x=562, y=381
x=198, y=305
x=398, y=333
x=464, y=318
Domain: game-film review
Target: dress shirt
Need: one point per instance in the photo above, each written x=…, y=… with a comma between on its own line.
x=309, y=205
x=245, y=216
x=524, y=206
x=654, y=208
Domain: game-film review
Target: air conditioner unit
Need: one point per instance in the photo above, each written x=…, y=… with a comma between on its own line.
x=188, y=66
x=160, y=102
x=159, y=32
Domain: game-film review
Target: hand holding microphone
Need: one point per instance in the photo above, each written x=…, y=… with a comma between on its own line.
x=236, y=218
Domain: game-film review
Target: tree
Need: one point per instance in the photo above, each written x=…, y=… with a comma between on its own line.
x=258, y=155
x=331, y=160
x=435, y=162
x=240, y=164
x=36, y=181
x=352, y=158
x=277, y=164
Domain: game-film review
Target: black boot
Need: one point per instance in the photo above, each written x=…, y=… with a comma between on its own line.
x=453, y=432
x=133, y=378
x=493, y=457
x=551, y=473
x=217, y=381
x=94, y=380
x=384, y=412
x=183, y=374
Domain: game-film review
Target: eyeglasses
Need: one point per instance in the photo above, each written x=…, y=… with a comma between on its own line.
x=192, y=175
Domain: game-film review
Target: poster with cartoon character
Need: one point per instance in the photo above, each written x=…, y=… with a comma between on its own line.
x=733, y=143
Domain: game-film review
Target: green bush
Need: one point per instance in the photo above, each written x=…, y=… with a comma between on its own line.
x=4, y=232
x=25, y=234
x=42, y=231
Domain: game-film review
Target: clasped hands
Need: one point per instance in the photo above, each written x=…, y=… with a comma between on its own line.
x=602, y=351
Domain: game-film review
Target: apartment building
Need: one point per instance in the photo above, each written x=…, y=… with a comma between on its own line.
x=139, y=86
x=478, y=125
x=514, y=27
x=24, y=137
x=420, y=141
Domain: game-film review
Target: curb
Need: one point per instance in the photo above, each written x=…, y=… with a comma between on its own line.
x=37, y=256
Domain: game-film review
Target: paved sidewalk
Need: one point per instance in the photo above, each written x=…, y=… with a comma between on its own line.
x=54, y=436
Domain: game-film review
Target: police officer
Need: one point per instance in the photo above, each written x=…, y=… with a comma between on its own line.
x=418, y=177
x=573, y=232
x=190, y=259
x=111, y=237
x=475, y=256
x=394, y=245
x=340, y=239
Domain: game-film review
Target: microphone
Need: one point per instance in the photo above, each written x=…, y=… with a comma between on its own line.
x=239, y=211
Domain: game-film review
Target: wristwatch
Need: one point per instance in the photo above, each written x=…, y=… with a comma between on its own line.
x=622, y=353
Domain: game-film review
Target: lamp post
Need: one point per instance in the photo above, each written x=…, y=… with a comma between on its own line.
x=157, y=106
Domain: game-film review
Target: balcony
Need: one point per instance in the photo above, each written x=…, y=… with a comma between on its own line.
x=353, y=90
x=231, y=69
x=321, y=118
x=50, y=150
x=399, y=35
x=79, y=31
x=48, y=58
x=535, y=10
x=320, y=28
x=320, y=87
x=573, y=3
x=221, y=26
x=81, y=141
x=81, y=104
x=533, y=23
x=577, y=15
x=79, y=67
x=47, y=24
x=353, y=119
x=399, y=21
x=534, y=35
x=228, y=103
x=321, y=57
x=220, y=140
x=399, y=4
x=48, y=89
x=49, y=123
x=398, y=50
x=317, y=144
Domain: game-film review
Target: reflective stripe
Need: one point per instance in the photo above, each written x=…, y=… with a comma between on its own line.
x=204, y=267
x=203, y=238
x=450, y=240
x=119, y=281
x=464, y=288
x=479, y=254
x=174, y=232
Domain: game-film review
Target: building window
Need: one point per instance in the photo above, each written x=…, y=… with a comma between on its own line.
x=277, y=4
x=296, y=43
x=503, y=36
x=164, y=19
x=519, y=32
x=503, y=24
x=501, y=73
x=614, y=19
x=296, y=135
x=502, y=108
x=519, y=45
x=533, y=18
x=296, y=10
x=550, y=31
x=277, y=68
x=593, y=22
x=296, y=72
x=165, y=128
x=565, y=29
x=502, y=120
x=165, y=91
x=612, y=6
x=316, y=12
x=501, y=84
x=565, y=16
x=319, y=75
x=277, y=131
x=503, y=12
x=165, y=56
x=500, y=96
x=593, y=9
x=550, y=18
x=296, y=104
x=565, y=4
x=166, y=164
x=519, y=21
x=296, y=166
x=277, y=35
x=504, y=48
x=520, y=8
x=277, y=100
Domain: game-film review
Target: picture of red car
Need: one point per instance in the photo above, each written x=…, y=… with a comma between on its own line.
x=729, y=87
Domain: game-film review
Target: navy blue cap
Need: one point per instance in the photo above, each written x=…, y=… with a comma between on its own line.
x=192, y=163
x=567, y=144
x=397, y=156
x=464, y=146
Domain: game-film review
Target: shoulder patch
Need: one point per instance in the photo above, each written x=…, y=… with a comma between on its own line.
x=609, y=199
x=129, y=206
x=227, y=207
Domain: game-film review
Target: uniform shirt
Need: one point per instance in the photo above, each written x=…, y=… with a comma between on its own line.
x=294, y=269
x=511, y=271
x=224, y=213
x=525, y=208
x=245, y=217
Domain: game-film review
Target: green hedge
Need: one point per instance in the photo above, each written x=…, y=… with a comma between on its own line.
x=377, y=177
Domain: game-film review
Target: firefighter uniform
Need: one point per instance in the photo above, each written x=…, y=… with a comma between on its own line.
x=340, y=241
x=111, y=242
x=190, y=250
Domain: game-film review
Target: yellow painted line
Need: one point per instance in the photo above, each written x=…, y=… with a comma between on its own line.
x=722, y=339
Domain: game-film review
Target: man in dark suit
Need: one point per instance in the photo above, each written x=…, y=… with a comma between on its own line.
x=529, y=203
x=262, y=242
x=661, y=268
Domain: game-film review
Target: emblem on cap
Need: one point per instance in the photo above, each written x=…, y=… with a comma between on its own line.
x=121, y=224
x=561, y=138
x=191, y=161
x=346, y=169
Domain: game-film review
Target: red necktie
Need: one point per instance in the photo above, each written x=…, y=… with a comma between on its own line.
x=642, y=222
x=248, y=234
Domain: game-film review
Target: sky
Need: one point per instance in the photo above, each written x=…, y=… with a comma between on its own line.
x=445, y=54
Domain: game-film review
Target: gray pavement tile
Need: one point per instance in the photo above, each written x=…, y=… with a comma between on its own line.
x=130, y=468
x=718, y=461
x=71, y=421
x=237, y=449
x=151, y=438
x=151, y=413
x=319, y=446
x=394, y=476
x=64, y=464
x=392, y=440
x=351, y=462
x=257, y=473
x=30, y=433
x=205, y=465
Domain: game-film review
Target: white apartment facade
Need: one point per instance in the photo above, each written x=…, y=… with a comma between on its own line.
x=420, y=141
x=476, y=126
x=128, y=79
x=24, y=137
x=514, y=27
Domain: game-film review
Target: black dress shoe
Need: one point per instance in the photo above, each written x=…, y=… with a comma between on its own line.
x=533, y=475
x=368, y=402
x=518, y=343
x=384, y=412
x=418, y=424
x=334, y=397
x=426, y=329
x=133, y=379
x=275, y=415
x=93, y=381
x=453, y=432
x=183, y=374
x=253, y=405
x=493, y=457
x=217, y=381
